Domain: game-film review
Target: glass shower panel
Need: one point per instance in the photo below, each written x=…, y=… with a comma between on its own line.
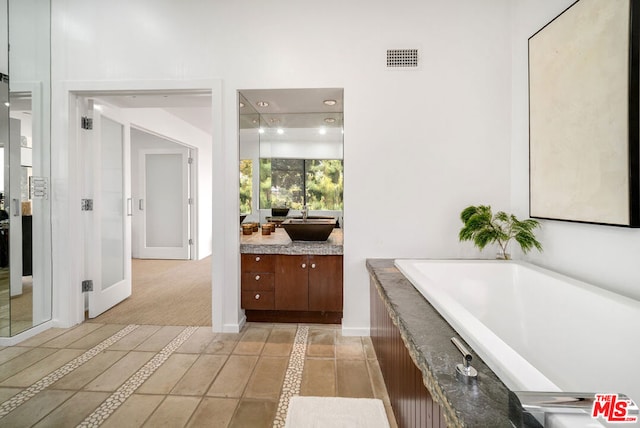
x=25, y=186
x=112, y=213
x=5, y=284
x=23, y=292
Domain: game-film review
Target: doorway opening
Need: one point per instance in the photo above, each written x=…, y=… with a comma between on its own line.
x=144, y=189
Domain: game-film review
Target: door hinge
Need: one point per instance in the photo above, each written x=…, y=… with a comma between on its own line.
x=190, y=241
x=86, y=123
x=190, y=201
x=87, y=204
x=87, y=285
x=190, y=161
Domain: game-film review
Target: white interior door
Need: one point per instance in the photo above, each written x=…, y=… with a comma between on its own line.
x=165, y=203
x=108, y=224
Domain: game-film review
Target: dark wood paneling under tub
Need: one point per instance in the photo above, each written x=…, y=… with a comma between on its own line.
x=413, y=344
x=412, y=403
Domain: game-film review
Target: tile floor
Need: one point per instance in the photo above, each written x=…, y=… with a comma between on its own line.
x=117, y=376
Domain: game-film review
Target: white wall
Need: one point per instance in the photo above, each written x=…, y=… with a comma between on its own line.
x=416, y=183
x=606, y=256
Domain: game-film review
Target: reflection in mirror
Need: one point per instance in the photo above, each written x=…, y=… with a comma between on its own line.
x=249, y=139
x=294, y=140
x=25, y=269
x=20, y=210
x=5, y=292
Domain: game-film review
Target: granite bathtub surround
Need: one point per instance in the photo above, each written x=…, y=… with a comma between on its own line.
x=280, y=243
x=427, y=336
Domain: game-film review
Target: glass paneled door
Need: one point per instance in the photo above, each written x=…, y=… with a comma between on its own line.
x=165, y=203
x=107, y=226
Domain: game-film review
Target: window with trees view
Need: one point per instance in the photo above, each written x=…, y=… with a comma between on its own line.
x=293, y=183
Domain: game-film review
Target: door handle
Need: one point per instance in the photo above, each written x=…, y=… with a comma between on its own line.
x=141, y=204
x=129, y=202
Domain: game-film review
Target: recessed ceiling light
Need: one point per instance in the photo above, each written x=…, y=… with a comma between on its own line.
x=330, y=120
x=330, y=102
x=262, y=104
x=274, y=120
x=254, y=121
x=241, y=104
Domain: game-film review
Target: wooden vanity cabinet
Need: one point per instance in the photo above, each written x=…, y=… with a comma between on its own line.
x=257, y=281
x=292, y=288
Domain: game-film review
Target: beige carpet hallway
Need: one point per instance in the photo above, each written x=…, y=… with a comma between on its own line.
x=165, y=292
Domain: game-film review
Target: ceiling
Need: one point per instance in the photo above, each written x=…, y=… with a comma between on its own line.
x=288, y=108
x=194, y=107
x=291, y=108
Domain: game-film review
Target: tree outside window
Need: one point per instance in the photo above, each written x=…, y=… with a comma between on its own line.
x=246, y=185
x=293, y=183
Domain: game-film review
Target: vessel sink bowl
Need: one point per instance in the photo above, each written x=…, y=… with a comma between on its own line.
x=310, y=229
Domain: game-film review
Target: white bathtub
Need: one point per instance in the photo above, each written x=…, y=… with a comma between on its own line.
x=536, y=329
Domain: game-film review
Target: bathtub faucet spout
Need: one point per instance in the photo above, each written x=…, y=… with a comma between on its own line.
x=464, y=371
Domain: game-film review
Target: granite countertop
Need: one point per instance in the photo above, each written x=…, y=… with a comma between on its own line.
x=427, y=336
x=280, y=243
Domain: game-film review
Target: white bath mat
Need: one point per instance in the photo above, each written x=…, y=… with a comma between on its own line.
x=336, y=412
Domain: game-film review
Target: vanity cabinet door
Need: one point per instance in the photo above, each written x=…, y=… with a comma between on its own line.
x=325, y=283
x=292, y=283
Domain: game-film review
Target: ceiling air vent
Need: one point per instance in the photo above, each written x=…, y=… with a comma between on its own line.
x=402, y=58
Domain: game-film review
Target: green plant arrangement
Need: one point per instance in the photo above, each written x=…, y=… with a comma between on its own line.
x=483, y=227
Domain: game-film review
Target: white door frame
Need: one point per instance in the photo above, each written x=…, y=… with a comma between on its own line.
x=68, y=302
x=42, y=283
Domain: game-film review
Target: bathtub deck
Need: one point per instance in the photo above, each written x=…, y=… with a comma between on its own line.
x=427, y=336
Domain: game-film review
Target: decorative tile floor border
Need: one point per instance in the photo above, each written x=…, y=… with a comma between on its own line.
x=293, y=375
x=27, y=394
x=116, y=399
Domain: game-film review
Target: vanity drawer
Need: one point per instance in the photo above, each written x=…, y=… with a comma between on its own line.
x=257, y=281
x=257, y=299
x=257, y=262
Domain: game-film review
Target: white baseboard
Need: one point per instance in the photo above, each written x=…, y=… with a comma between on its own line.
x=14, y=340
x=356, y=331
x=235, y=328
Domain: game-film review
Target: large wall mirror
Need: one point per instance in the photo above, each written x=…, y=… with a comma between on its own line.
x=25, y=215
x=584, y=98
x=291, y=153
